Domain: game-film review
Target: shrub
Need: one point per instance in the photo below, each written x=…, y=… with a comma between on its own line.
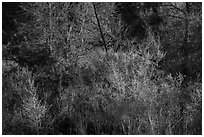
x=99, y=93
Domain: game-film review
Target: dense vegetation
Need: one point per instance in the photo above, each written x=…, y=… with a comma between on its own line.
x=102, y=68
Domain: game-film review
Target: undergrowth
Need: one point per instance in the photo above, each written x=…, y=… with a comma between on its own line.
x=99, y=93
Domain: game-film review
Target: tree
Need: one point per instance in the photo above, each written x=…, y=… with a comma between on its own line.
x=179, y=19
x=94, y=68
x=181, y=16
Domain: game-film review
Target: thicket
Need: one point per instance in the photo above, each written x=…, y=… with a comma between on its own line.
x=101, y=68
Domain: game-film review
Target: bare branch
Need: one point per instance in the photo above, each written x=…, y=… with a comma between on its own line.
x=173, y=16
x=99, y=26
x=171, y=5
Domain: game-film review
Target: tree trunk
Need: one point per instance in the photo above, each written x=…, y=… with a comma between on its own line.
x=185, y=52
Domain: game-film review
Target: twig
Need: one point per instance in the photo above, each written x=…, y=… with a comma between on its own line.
x=177, y=122
x=151, y=123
